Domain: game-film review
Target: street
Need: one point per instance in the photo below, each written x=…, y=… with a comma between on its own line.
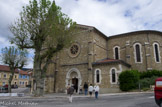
x=21, y=90
x=124, y=100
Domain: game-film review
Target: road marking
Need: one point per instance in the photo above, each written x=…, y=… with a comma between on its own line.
x=151, y=97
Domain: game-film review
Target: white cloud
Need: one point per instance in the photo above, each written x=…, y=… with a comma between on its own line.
x=110, y=16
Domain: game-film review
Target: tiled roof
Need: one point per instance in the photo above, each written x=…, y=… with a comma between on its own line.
x=136, y=32
x=108, y=61
x=6, y=68
x=23, y=72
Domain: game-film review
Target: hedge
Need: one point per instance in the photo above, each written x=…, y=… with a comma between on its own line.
x=129, y=80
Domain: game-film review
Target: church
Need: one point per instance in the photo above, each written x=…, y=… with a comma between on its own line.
x=97, y=58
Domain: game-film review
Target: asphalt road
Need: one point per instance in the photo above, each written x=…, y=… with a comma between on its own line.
x=131, y=100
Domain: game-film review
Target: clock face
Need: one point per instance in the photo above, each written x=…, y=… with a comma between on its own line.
x=74, y=50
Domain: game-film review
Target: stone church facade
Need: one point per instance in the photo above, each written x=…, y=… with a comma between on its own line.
x=98, y=59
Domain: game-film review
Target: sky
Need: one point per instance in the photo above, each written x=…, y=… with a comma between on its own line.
x=111, y=17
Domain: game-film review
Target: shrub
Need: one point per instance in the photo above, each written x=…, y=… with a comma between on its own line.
x=146, y=82
x=149, y=74
x=129, y=80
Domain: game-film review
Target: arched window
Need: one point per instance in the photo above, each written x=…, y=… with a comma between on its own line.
x=97, y=76
x=156, y=52
x=138, y=56
x=113, y=76
x=116, y=52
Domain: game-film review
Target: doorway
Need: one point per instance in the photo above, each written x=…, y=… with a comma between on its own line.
x=75, y=83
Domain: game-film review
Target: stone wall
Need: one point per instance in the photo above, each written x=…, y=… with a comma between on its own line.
x=126, y=42
x=106, y=86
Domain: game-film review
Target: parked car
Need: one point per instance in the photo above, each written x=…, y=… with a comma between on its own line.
x=3, y=89
x=14, y=86
x=158, y=91
x=29, y=86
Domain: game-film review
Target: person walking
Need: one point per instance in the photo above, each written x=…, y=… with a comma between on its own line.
x=96, y=89
x=70, y=92
x=67, y=88
x=90, y=89
x=85, y=88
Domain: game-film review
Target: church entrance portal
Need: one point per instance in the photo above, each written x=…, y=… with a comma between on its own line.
x=73, y=77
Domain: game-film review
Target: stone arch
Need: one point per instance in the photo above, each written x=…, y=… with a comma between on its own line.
x=73, y=73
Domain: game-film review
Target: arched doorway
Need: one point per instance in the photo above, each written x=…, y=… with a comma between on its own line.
x=73, y=77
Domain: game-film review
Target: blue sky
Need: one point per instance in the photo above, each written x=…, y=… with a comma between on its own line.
x=109, y=16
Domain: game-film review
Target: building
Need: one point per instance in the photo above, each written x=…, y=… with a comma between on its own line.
x=98, y=59
x=20, y=78
x=5, y=74
x=23, y=78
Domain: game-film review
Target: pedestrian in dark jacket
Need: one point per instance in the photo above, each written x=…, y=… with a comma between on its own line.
x=85, y=88
x=70, y=92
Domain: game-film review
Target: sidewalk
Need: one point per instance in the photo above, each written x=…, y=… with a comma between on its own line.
x=64, y=95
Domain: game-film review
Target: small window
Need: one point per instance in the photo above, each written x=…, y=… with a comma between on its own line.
x=97, y=76
x=4, y=83
x=113, y=75
x=116, y=52
x=15, y=76
x=156, y=52
x=138, y=53
x=5, y=76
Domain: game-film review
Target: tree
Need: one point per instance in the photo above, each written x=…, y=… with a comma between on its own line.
x=15, y=59
x=42, y=27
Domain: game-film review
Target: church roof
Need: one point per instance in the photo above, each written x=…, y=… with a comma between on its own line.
x=109, y=61
x=91, y=28
x=136, y=32
x=123, y=34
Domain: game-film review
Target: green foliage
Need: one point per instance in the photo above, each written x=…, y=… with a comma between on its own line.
x=149, y=74
x=146, y=82
x=42, y=21
x=128, y=80
x=146, y=89
x=14, y=57
x=132, y=79
x=42, y=27
x=45, y=29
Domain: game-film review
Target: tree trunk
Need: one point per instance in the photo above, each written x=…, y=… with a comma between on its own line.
x=39, y=84
x=9, y=81
x=9, y=87
x=38, y=75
